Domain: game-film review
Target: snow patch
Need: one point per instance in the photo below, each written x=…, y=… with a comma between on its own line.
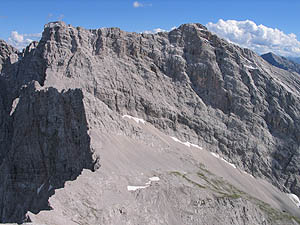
x=50, y=187
x=216, y=155
x=154, y=179
x=219, y=157
x=188, y=144
x=247, y=173
x=250, y=67
x=134, y=188
x=151, y=179
x=195, y=146
x=137, y=120
x=14, y=106
x=294, y=199
x=40, y=188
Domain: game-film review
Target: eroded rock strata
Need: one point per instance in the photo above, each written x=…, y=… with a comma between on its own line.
x=187, y=82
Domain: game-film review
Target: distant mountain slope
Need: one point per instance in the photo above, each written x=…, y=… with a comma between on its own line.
x=281, y=62
x=294, y=59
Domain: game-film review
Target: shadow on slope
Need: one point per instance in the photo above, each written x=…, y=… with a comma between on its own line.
x=49, y=145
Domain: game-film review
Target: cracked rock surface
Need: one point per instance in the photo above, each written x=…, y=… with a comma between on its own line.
x=75, y=83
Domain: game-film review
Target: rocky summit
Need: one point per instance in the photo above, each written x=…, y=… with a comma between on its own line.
x=103, y=126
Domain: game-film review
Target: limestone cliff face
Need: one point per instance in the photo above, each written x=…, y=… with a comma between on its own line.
x=48, y=145
x=189, y=83
x=44, y=140
x=8, y=55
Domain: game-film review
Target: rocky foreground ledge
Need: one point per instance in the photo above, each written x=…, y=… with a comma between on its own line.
x=188, y=83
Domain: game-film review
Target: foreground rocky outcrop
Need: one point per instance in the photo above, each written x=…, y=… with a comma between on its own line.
x=47, y=145
x=188, y=83
x=44, y=142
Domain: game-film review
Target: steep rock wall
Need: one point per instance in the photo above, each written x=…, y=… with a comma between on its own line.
x=189, y=83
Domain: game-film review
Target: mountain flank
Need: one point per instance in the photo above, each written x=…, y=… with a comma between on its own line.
x=62, y=128
x=282, y=62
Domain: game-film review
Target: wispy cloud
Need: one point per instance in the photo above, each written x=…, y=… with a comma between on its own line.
x=53, y=17
x=20, y=41
x=36, y=35
x=259, y=38
x=60, y=17
x=137, y=4
x=49, y=16
x=154, y=31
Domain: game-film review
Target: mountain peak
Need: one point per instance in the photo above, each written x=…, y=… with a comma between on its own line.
x=188, y=25
x=55, y=24
x=281, y=62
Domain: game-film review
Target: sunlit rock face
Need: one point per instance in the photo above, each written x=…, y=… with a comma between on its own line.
x=187, y=82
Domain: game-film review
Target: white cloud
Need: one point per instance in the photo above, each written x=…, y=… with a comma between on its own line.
x=157, y=30
x=36, y=35
x=16, y=36
x=154, y=31
x=259, y=38
x=137, y=4
x=20, y=41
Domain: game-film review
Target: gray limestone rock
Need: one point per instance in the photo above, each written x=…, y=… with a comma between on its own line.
x=187, y=82
x=190, y=83
x=48, y=145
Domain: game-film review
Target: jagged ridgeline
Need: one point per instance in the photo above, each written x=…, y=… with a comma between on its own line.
x=187, y=82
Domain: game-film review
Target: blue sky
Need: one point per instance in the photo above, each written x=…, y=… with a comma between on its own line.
x=27, y=17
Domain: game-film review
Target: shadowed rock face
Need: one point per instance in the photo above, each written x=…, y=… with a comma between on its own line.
x=188, y=83
x=49, y=145
x=44, y=142
x=282, y=62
